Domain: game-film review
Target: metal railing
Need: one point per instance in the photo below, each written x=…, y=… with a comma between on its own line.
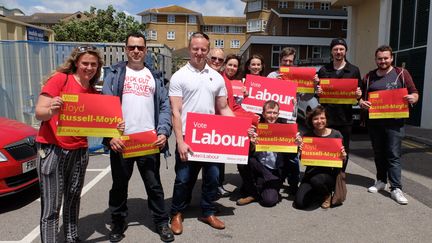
x=24, y=64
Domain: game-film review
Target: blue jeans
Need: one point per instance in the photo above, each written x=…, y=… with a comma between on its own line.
x=386, y=143
x=186, y=174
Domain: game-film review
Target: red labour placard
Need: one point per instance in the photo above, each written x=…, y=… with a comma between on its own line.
x=215, y=138
x=237, y=86
x=89, y=115
x=140, y=144
x=276, y=137
x=262, y=89
x=303, y=76
x=338, y=91
x=388, y=104
x=321, y=152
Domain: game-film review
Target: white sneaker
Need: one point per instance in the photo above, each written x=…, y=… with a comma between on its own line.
x=379, y=185
x=398, y=196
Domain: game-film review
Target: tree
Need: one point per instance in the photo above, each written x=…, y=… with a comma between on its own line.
x=98, y=25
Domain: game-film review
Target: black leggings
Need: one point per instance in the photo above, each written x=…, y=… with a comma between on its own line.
x=316, y=188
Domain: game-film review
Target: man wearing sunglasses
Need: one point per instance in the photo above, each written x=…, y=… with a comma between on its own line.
x=142, y=92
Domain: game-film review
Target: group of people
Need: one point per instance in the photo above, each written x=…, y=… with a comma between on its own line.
x=203, y=85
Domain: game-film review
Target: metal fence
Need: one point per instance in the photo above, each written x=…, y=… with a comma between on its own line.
x=24, y=64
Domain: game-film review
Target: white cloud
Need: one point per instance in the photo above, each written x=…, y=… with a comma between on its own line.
x=217, y=8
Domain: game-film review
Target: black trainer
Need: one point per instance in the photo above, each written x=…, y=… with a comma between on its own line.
x=165, y=233
x=118, y=228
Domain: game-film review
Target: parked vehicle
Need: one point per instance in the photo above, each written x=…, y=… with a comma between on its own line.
x=17, y=156
x=308, y=102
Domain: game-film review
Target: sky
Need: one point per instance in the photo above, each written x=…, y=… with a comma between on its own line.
x=130, y=7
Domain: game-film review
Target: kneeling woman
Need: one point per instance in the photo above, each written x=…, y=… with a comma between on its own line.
x=318, y=182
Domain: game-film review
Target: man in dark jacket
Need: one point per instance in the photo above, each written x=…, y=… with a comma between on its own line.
x=340, y=115
x=386, y=134
x=141, y=92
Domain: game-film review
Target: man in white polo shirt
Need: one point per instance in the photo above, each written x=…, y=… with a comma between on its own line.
x=196, y=87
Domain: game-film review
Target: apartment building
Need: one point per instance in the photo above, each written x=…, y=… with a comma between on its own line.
x=173, y=25
x=306, y=25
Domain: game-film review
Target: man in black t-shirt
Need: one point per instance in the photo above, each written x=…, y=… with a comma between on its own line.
x=340, y=115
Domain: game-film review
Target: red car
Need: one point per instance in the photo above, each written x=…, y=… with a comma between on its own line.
x=17, y=156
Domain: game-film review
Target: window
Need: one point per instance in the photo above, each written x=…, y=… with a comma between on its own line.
x=299, y=5
x=235, y=29
x=344, y=25
x=282, y=4
x=171, y=35
x=255, y=25
x=316, y=52
x=207, y=28
x=235, y=44
x=309, y=5
x=265, y=4
x=152, y=35
x=171, y=19
x=149, y=18
x=219, y=44
x=319, y=24
x=254, y=6
x=192, y=19
x=219, y=29
x=276, y=50
x=153, y=18
x=325, y=6
x=264, y=25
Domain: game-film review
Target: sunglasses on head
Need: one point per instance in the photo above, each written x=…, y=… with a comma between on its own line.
x=85, y=48
x=132, y=48
x=214, y=59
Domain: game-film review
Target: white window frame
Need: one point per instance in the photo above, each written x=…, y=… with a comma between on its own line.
x=219, y=29
x=207, y=28
x=282, y=4
x=319, y=27
x=316, y=50
x=171, y=19
x=192, y=19
x=254, y=6
x=170, y=35
x=152, y=35
x=235, y=29
x=235, y=44
x=325, y=6
x=255, y=25
x=219, y=43
x=309, y=5
x=153, y=18
x=299, y=5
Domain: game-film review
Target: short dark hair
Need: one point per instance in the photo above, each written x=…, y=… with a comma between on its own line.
x=137, y=35
x=270, y=104
x=315, y=112
x=384, y=48
x=287, y=51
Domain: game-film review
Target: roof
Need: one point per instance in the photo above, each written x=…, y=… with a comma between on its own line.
x=223, y=20
x=172, y=9
x=43, y=18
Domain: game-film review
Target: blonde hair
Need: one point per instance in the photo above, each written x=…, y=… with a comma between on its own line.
x=69, y=66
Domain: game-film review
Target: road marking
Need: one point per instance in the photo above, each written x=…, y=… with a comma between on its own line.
x=35, y=232
x=95, y=170
x=415, y=145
